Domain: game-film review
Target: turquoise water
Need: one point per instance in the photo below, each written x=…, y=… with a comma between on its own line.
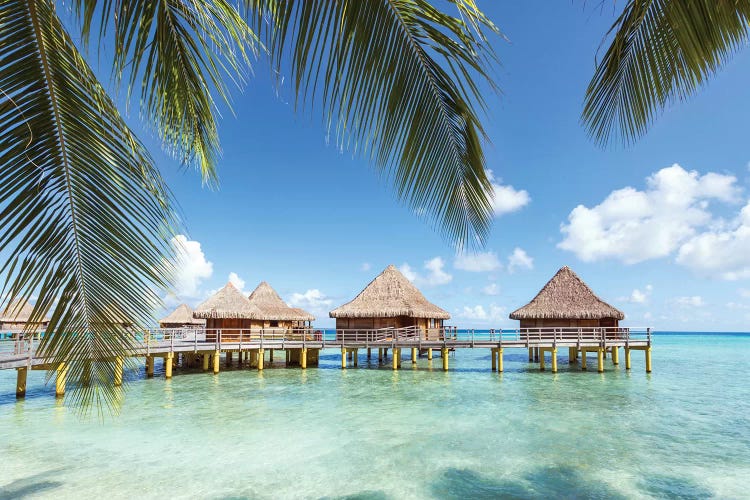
x=681, y=432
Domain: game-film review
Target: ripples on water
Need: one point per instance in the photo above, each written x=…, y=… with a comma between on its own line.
x=371, y=433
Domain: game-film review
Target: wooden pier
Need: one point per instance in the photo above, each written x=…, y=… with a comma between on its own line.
x=194, y=347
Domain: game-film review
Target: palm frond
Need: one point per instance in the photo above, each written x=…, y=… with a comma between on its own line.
x=660, y=51
x=183, y=51
x=398, y=80
x=85, y=219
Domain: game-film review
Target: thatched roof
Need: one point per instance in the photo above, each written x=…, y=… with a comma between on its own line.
x=566, y=296
x=387, y=296
x=183, y=315
x=12, y=313
x=227, y=303
x=273, y=308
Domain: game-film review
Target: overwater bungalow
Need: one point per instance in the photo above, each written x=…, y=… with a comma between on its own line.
x=566, y=301
x=390, y=300
x=181, y=317
x=274, y=312
x=228, y=311
x=16, y=317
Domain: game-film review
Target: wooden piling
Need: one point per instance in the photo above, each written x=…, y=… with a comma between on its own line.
x=60, y=380
x=21, y=382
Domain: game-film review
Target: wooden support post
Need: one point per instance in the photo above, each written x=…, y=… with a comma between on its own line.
x=445, y=358
x=615, y=355
x=500, y=359
x=206, y=356
x=413, y=354
x=380, y=355
x=262, y=358
x=21, y=382
x=531, y=354
x=149, y=366
x=541, y=358
x=600, y=360
x=583, y=359
x=270, y=356
x=554, y=359
x=216, y=359
x=168, y=365
x=537, y=354
x=648, y=359
x=627, y=358
x=494, y=359
x=119, y=361
x=369, y=353
x=303, y=358
x=343, y=357
x=229, y=359
x=400, y=356
x=60, y=379
x=571, y=355
x=355, y=356
x=429, y=354
x=395, y=360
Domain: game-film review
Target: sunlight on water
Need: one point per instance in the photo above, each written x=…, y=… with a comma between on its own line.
x=682, y=432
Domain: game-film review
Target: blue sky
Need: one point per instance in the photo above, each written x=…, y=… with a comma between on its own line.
x=657, y=228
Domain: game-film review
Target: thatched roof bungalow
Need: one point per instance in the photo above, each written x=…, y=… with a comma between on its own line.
x=390, y=300
x=274, y=312
x=566, y=301
x=181, y=317
x=228, y=310
x=16, y=317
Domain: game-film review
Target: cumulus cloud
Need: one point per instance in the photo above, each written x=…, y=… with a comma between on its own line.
x=723, y=253
x=633, y=226
x=744, y=293
x=313, y=300
x=365, y=267
x=192, y=269
x=480, y=314
x=234, y=279
x=519, y=259
x=478, y=262
x=690, y=301
x=506, y=198
x=435, y=273
x=491, y=289
x=640, y=296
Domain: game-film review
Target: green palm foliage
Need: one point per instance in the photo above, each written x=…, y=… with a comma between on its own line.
x=394, y=78
x=660, y=51
x=85, y=218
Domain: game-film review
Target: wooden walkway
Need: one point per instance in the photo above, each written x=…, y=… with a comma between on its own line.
x=193, y=347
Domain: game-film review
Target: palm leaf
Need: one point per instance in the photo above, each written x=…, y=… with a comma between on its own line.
x=660, y=51
x=183, y=51
x=85, y=219
x=396, y=80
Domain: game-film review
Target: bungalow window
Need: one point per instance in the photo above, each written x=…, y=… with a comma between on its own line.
x=274, y=324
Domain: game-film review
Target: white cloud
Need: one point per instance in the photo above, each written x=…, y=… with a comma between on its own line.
x=690, y=301
x=519, y=259
x=435, y=275
x=634, y=226
x=365, y=267
x=737, y=306
x=506, y=198
x=722, y=253
x=313, y=300
x=478, y=262
x=478, y=313
x=744, y=293
x=238, y=282
x=192, y=269
x=491, y=289
x=640, y=296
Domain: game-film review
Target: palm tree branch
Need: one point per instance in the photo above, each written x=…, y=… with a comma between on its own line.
x=660, y=51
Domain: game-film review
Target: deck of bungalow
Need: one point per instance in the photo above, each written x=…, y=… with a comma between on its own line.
x=249, y=348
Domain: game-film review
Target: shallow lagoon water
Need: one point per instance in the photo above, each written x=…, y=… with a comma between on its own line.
x=681, y=432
